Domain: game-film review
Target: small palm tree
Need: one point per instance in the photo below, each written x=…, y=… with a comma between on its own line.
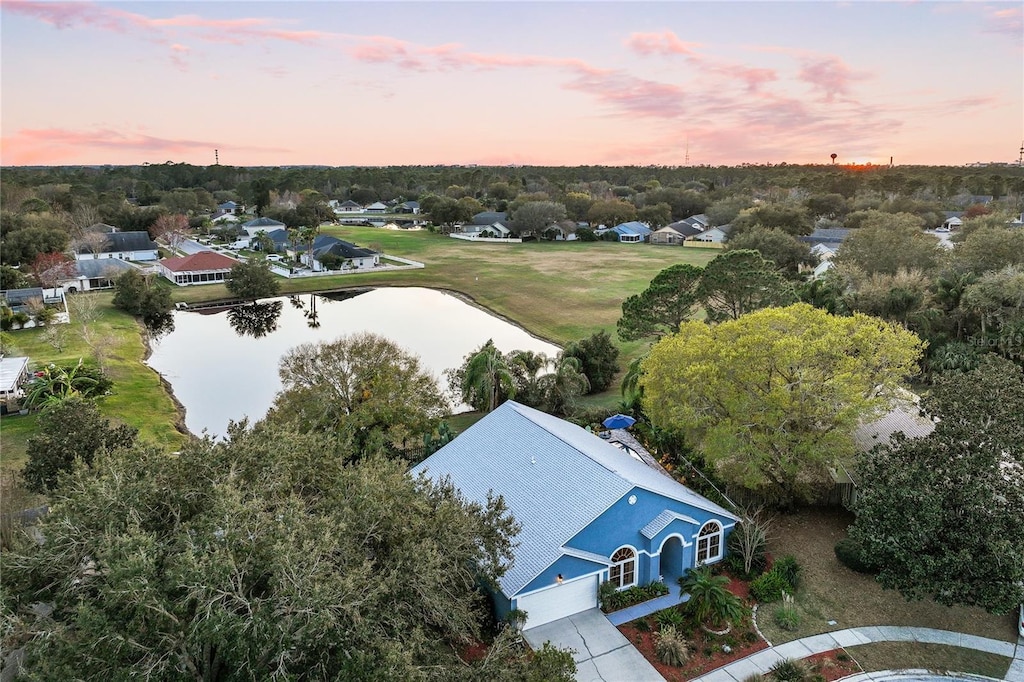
x=488, y=376
x=56, y=384
x=711, y=603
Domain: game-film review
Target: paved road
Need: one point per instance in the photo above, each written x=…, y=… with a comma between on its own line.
x=190, y=246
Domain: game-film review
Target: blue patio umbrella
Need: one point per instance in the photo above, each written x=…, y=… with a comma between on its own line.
x=619, y=421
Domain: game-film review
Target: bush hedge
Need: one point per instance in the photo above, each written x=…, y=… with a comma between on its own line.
x=851, y=555
x=613, y=599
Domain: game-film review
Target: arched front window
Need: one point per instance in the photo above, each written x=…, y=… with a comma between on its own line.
x=623, y=569
x=709, y=543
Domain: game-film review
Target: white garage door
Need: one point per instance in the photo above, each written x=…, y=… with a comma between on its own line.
x=559, y=601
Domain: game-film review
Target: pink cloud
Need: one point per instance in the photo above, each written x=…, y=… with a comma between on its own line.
x=630, y=94
x=830, y=75
x=664, y=43
x=1007, y=21
x=179, y=56
x=54, y=145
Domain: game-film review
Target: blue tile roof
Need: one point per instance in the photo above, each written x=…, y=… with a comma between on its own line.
x=633, y=227
x=556, y=478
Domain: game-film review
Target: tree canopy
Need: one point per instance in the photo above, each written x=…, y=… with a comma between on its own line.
x=739, y=282
x=252, y=280
x=263, y=557
x=598, y=358
x=940, y=516
x=669, y=300
x=771, y=399
x=363, y=387
x=786, y=251
x=887, y=243
x=70, y=431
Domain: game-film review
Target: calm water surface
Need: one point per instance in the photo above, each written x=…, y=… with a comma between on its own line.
x=220, y=375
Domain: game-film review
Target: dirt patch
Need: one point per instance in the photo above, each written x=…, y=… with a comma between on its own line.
x=832, y=592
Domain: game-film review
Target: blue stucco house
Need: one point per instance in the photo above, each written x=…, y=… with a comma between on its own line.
x=589, y=511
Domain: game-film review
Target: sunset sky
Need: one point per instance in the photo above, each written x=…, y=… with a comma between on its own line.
x=386, y=83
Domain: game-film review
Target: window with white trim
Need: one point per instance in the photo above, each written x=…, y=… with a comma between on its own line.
x=623, y=569
x=709, y=543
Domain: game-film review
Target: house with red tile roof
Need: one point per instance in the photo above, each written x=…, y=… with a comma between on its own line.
x=205, y=267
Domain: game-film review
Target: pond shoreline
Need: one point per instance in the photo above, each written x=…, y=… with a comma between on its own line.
x=439, y=325
x=461, y=295
x=179, y=408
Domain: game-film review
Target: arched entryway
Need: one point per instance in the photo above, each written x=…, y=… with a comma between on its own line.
x=672, y=559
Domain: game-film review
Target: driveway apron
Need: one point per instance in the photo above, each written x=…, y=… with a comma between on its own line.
x=601, y=652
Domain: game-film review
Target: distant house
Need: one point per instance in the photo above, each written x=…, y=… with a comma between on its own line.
x=123, y=245
x=95, y=274
x=280, y=238
x=824, y=251
x=589, y=511
x=489, y=218
x=409, y=207
x=345, y=254
x=221, y=217
x=495, y=230
x=633, y=232
x=231, y=207
x=831, y=237
x=674, y=234
x=22, y=300
x=257, y=225
x=376, y=207
x=13, y=374
x=347, y=206
x=715, y=235
x=954, y=220
x=205, y=267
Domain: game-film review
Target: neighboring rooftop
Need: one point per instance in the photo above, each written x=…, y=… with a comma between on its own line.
x=197, y=262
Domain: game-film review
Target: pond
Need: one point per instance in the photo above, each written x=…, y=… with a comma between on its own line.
x=220, y=374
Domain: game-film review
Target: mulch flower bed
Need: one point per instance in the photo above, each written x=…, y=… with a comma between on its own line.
x=830, y=666
x=706, y=652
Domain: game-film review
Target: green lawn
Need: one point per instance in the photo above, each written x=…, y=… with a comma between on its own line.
x=138, y=397
x=561, y=291
x=937, y=657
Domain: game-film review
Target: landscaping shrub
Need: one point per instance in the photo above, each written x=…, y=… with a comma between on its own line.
x=789, y=670
x=711, y=602
x=613, y=599
x=787, y=618
x=670, y=618
x=754, y=677
x=788, y=568
x=768, y=587
x=749, y=637
x=642, y=625
x=671, y=647
x=852, y=556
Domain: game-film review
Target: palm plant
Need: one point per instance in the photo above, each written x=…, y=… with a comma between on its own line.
x=56, y=384
x=563, y=386
x=487, y=376
x=711, y=603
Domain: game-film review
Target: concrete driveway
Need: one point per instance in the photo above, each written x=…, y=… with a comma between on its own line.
x=601, y=652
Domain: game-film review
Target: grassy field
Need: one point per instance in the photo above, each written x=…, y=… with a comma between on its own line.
x=938, y=657
x=138, y=397
x=560, y=291
x=830, y=591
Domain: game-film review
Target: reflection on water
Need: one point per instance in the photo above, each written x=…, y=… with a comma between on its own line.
x=159, y=325
x=223, y=365
x=255, y=319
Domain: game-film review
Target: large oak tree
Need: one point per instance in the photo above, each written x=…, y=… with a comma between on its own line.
x=261, y=557
x=941, y=516
x=771, y=399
